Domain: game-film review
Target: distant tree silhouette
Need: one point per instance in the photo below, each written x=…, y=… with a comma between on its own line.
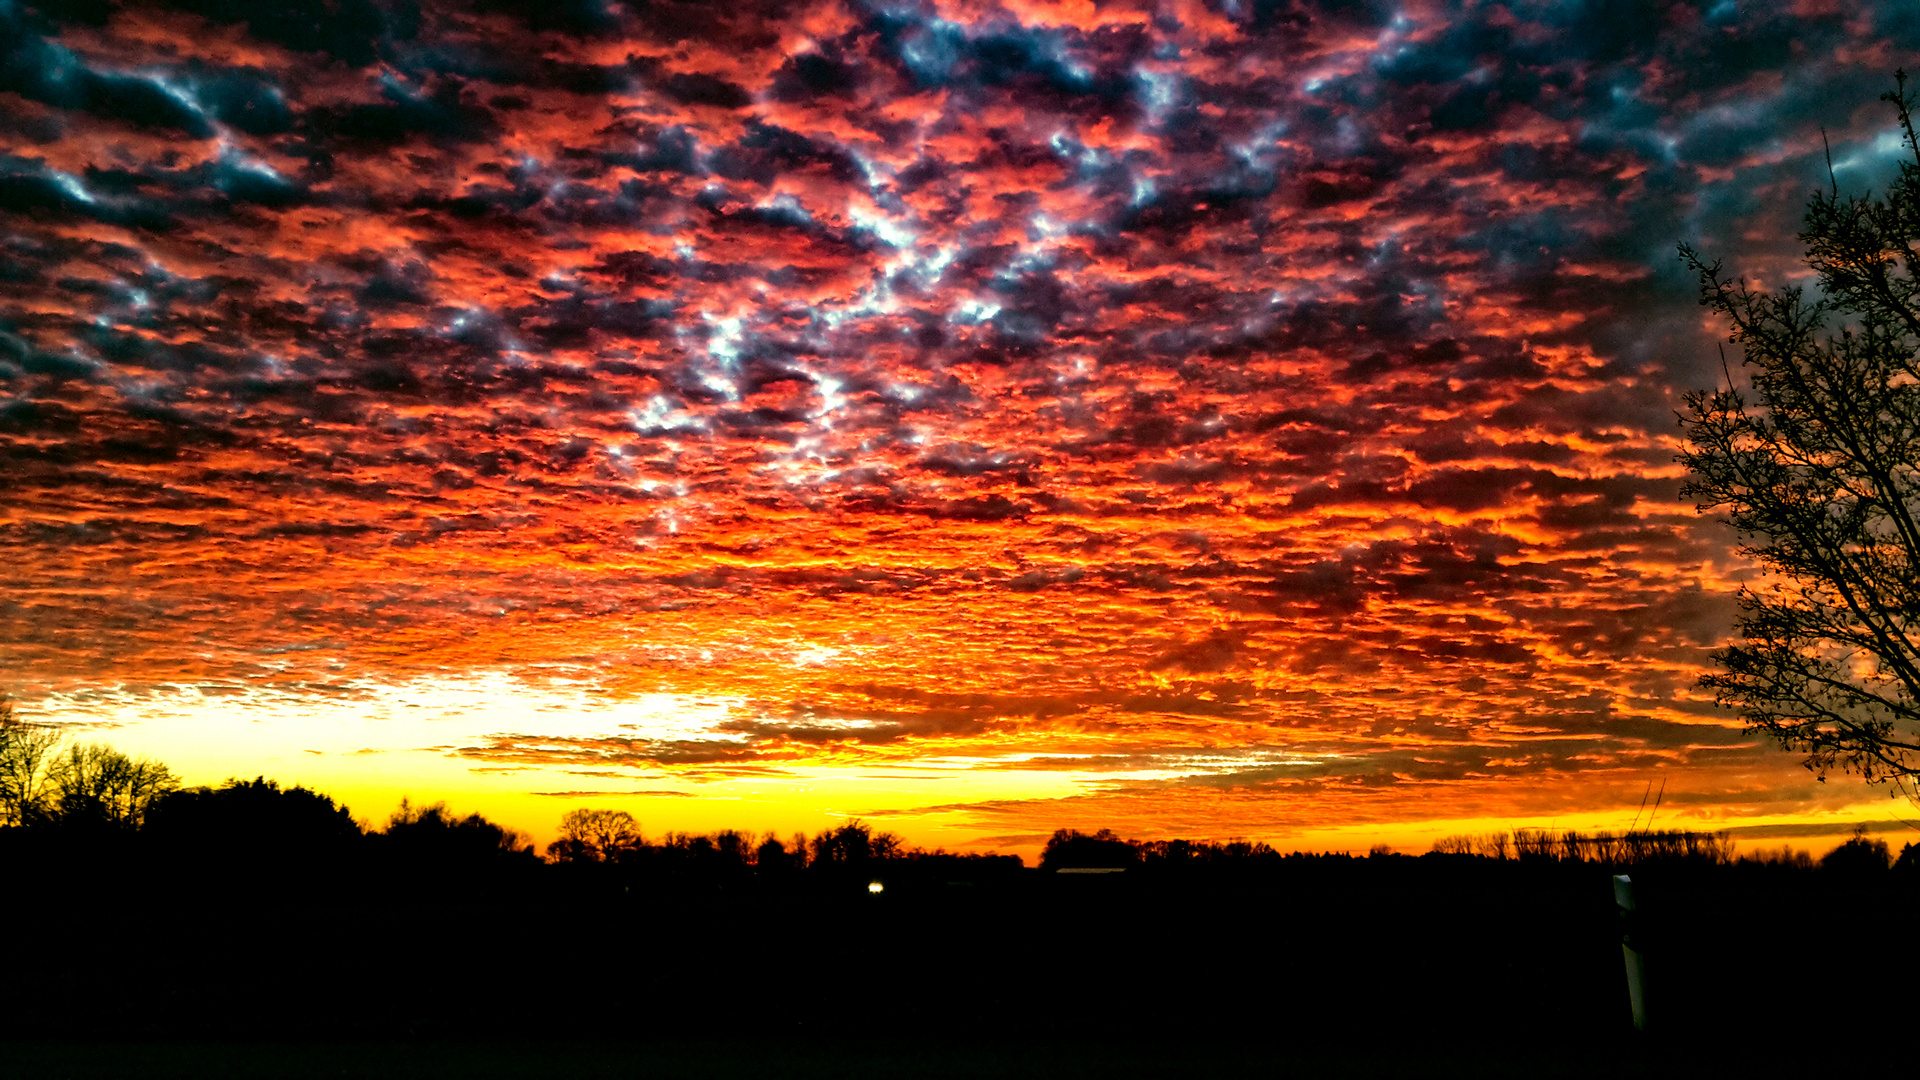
x=1072, y=849
x=724, y=858
x=733, y=848
x=1164, y=853
x=773, y=858
x=1784, y=856
x=612, y=837
x=689, y=847
x=852, y=846
x=1603, y=848
x=1859, y=855
x=27, y=752
x=588, y=835
x=95, y=785
x=432, y=834
x=252, y=821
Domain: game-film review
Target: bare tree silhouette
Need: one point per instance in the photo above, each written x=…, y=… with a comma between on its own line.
x=1818, y=469
x=589, y=835
x=27, y=752
x=94, y=784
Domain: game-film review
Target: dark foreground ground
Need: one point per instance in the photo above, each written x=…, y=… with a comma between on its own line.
x=935, y=1059
x=125, y=966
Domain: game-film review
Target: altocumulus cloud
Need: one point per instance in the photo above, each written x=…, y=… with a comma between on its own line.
x=1233, y=398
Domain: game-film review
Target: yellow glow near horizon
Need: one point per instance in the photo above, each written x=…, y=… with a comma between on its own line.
x=370, y=745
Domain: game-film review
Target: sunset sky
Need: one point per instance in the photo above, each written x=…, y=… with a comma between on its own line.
x=1204, y=418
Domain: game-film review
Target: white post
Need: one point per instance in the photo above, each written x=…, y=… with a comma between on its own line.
x=1636, y=973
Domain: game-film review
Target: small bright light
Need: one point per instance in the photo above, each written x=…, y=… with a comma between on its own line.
x=874, y=887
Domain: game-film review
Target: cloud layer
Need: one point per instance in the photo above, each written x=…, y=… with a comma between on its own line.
x=1219, y=401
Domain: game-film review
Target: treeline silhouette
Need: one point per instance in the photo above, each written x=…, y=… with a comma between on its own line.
x=609, y=844
x=137, y=907
x=1070, y=849
x=1605, y=848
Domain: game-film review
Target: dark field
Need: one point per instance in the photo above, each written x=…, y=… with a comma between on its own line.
x=884, y=1060
x=128, y=962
